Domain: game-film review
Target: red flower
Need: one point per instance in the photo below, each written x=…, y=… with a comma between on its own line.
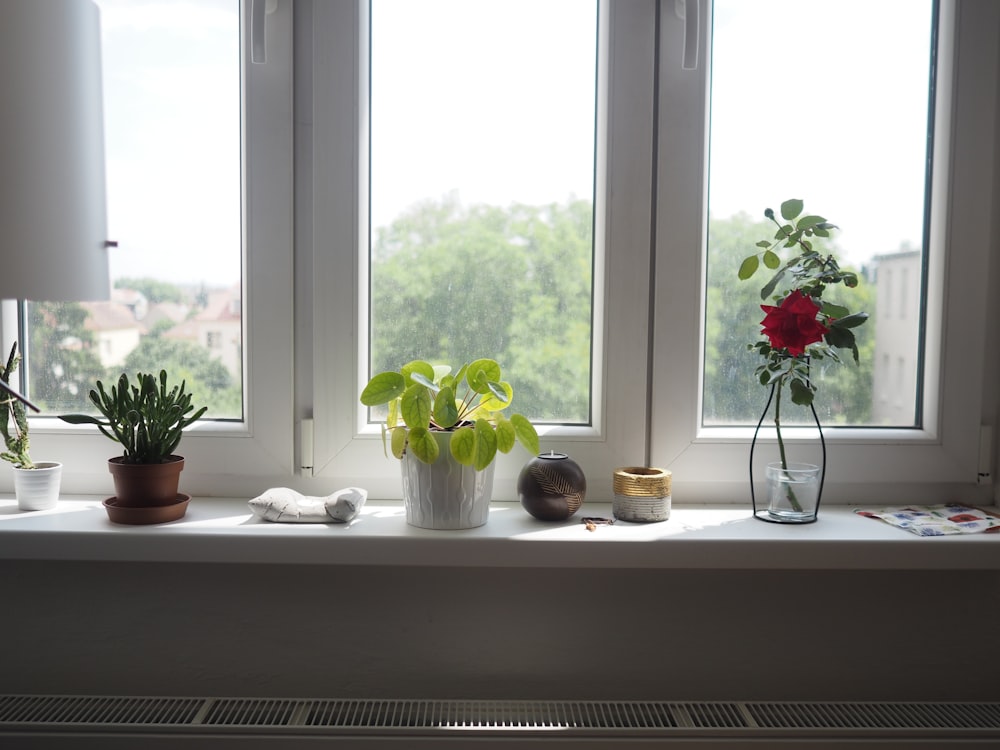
x=793, y=325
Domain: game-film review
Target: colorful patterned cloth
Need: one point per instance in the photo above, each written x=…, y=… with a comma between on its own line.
x=937, y=520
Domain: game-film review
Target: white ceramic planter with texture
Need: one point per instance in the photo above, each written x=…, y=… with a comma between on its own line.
x=38, y=488
x=445, y=494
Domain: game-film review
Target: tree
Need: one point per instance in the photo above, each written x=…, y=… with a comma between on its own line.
x=207, y=378
x=731, y=393
x=452, y=284
x=153, y=290
x=63, y=359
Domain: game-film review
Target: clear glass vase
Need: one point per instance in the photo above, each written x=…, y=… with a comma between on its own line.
x=794, y=489
x=793, y=492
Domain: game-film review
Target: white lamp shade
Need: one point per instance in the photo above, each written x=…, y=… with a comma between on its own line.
x=53, y=216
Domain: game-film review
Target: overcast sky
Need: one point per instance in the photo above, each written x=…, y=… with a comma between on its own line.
x=824, y=101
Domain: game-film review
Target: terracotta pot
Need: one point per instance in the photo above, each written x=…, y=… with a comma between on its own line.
x=143, y=485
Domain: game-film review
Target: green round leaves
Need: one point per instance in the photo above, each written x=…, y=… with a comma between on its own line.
x=469, y=404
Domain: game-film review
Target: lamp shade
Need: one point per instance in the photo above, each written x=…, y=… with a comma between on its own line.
x=53, y=216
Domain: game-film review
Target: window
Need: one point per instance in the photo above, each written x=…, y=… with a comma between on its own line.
x=849, y=135
x=174, y=193
x=199, y=152
x=482, y=183
x=336, y=169
x=886, y=464
x=307, y=314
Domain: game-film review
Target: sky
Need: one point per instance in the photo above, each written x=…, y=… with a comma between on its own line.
x=824, y=101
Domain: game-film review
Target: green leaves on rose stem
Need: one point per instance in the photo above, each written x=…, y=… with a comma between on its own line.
x=791, y=208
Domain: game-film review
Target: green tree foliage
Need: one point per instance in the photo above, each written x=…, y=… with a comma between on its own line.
x=731, y=392
x=206, y=377
x=153, y=290
x=452, y=284
x=63, y=360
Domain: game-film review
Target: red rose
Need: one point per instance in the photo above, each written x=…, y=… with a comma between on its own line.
x=793, y=325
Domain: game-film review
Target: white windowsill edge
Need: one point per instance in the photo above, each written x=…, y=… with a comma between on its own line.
x=222, y=530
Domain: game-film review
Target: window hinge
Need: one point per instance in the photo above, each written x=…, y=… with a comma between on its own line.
x=306, y=447
x=985, y=476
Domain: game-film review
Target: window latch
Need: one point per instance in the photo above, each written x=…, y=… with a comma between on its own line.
x=687, y=11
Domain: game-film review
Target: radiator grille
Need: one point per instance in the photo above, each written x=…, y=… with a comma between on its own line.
x=28, y=713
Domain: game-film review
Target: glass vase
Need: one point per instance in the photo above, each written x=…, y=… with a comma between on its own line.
x=794, y=489
x=793, y=492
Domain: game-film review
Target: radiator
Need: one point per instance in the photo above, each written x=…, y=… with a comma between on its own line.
x=55, y=721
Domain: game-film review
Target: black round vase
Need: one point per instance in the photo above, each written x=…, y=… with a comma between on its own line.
x=551, y=486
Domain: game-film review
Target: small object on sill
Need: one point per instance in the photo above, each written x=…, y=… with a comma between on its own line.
x=284, y=505
x=937, y=520
x=593, y=522
x=551, y=486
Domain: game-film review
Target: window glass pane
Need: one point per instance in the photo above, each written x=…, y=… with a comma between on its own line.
x=482, y=184
x=172, y=132
x=826, y=102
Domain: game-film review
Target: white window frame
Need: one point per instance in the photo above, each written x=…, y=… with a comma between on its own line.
x=935, y=463
x=333, y=181
x=229, y=458
x=302, y=361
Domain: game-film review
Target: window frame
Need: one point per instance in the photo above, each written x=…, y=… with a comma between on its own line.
x=229, y=457
x=865, y=464
x=303, y=368
x=334, y=178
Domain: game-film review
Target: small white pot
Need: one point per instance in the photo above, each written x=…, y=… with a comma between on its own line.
x=38, y=488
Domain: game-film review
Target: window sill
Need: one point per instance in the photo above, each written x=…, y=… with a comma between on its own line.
x=222, y=530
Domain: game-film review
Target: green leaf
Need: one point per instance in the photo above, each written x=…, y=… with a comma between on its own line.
x=397, y=441
x=791, y=208
x=506, y=436
x=416, y=366
x=423, y=445
x=749, y=267
x=808, y=222
x=851, y=321
x=764, y=244
x=769, y=286
x=835, y=311
x=480, y=373
x=771, y=259
x=445, y=410
x=499, y=397
x=526, y=433
x=383, y=388
x=842, y=338
x=416, y=406
x=801, y=393
x=463, y=445
x=420, y=379
x=486, y=445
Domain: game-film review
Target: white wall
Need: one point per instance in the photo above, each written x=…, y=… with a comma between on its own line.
x=326, y=631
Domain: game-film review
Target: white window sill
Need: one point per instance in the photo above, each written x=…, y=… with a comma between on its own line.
x=222, y=530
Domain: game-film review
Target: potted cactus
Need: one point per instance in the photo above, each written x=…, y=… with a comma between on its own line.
x=147, y=418
x=36, y=484
x=446, y=429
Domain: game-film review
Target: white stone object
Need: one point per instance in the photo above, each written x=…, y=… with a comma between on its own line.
x=284, y=505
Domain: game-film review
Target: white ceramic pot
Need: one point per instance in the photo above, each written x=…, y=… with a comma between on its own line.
x=38, y=488
x=445, y=494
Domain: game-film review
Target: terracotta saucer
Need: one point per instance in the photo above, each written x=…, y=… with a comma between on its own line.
x=153, y=514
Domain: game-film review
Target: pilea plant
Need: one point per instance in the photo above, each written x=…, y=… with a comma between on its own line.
x=423, y=398
x=146, y=418
x=14, y=419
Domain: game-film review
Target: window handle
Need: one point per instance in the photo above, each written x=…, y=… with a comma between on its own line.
x=688, y=11
x=259, y=11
